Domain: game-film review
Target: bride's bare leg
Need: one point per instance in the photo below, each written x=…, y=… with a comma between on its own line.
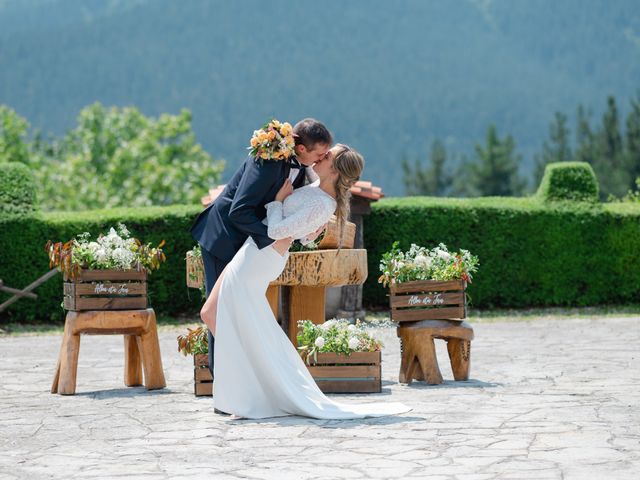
x=210, y=307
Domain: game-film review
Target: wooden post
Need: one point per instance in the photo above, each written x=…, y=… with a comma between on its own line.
x=132, y=362
x=273, y=295
x=305, y=303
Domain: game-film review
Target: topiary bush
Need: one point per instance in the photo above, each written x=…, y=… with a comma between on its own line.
x=531, y=253
x=17, y=188
x=574, y=181
x=23, y=258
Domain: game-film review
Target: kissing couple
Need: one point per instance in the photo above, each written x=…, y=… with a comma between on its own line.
x=288, y=188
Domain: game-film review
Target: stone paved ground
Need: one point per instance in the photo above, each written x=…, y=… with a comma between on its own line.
x=547, y=399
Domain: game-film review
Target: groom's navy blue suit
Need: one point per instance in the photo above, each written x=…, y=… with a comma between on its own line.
x=222, y=228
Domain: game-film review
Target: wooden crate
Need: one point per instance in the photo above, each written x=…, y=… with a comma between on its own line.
x=428, y=300
x=195, y=271
x=332, y=234
x=202, y=379
x=357, y=373
x=106, y=290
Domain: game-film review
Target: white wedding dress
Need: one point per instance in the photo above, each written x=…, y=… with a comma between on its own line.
x=258, y=372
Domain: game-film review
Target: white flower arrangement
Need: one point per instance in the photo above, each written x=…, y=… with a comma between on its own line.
x=335, y=336
x=420, y=263
x=116, y=250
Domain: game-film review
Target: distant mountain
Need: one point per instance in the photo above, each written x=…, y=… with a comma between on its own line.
x=386, y=77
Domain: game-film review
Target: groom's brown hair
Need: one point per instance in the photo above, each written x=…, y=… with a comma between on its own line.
x=309, y=132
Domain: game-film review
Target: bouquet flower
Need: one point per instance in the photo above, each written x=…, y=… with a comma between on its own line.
x=335, y=336
x=116, y=250
x=274, y=141
x=420, y=263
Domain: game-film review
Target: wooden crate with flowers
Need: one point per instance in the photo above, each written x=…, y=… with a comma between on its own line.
x=196, y=343
x=428, y=300
x=109, y=273
x=341, y=357
x=427, y=284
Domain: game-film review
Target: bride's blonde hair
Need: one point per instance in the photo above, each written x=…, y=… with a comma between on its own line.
x=349, y=165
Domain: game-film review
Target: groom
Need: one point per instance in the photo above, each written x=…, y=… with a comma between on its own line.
x=222, y=228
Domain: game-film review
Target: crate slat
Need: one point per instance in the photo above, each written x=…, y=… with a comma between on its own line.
x=354, y=386
x=346, y=371
x=202, y=373
x=447, y=313
x=427, y=286
x=427, y=299
x=355, y=357
x=97, y=303
x=356, y=373
x=105, y=288
x=105, y=275
x=203, y=389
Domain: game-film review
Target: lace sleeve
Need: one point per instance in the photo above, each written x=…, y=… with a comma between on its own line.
x=303, y=222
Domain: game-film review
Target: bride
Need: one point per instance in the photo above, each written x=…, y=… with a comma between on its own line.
x=258, y=372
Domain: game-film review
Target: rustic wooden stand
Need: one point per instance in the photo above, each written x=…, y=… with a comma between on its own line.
x=307, y=274
x=419, y=360
x=426, y=310
x=141, y=347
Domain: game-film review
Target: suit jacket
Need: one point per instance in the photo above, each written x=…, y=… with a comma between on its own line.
x=237, y=213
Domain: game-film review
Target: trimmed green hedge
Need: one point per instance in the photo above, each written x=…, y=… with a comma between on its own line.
x=531, y=253
x=17, y=188
x=23, y=258
x=569, y=181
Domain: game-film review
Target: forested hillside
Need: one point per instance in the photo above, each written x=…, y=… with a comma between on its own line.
x=386, y=77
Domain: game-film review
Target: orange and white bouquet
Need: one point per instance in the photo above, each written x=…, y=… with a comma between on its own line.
x=274, y=141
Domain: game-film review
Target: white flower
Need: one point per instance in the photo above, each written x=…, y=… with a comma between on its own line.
x=422, y=261
x=319, y=342
x=93, y=246
x=124, y=232
x=352, y=328
x=101, y=255
x=354, y=343
x=328, y=324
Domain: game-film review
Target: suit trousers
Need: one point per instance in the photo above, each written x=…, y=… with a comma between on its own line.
x=213, y=267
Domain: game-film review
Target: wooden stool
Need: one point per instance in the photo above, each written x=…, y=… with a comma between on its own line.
x=419, y=360
x=141, y=347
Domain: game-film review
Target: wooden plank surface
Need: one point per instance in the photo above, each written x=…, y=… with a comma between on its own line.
x=356, y=357
x=119, y=303
x=350, y=386
x=203, y=388
x=325, y=268
x=412, y=315
x=105, y=288
x=114, y=275
x=427, y=300
x=202, y=373
x=427, y=286
x=346, y=371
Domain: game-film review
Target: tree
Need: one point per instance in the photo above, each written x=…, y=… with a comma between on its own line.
x=433, y=180
x=632, y=142
x=118, y=157
x=585, y=138
x=609, y=162
x=14, y=129
x=556, y=149
x=495, y=169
